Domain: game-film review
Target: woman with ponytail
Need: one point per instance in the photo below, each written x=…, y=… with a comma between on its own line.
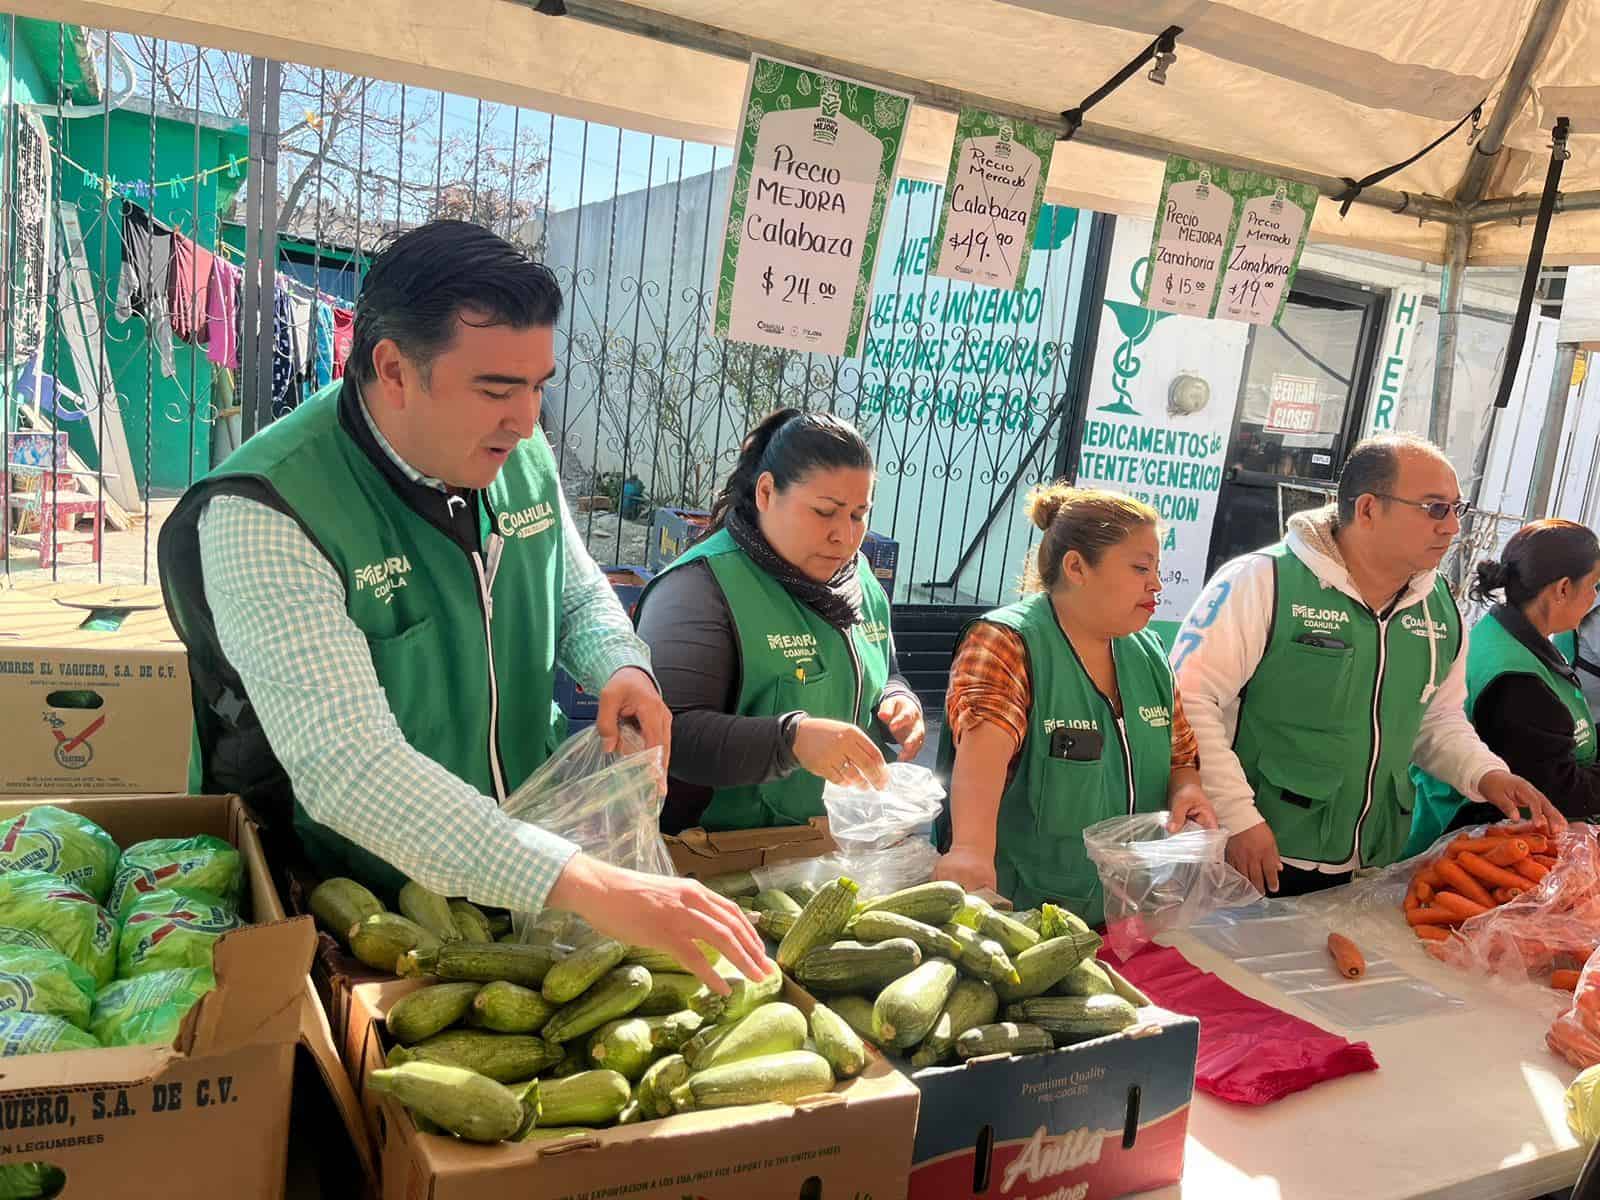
x=1062, y=709
x=1523, y=696
x=770, y=637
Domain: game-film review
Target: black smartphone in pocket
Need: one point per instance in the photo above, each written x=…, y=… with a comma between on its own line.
x=1076, y=745
x=1322, y=641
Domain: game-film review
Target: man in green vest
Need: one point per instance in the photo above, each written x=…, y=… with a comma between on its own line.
x=1315, y=671
x=375, y=592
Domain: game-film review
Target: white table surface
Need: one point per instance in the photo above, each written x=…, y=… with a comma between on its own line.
x=1464, y=1106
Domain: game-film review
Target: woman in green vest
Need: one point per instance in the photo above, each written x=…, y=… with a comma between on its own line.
x=1062, y=710
x=1523, y=696
x=770, y=637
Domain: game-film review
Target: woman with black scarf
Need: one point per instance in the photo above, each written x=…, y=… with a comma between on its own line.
x=770, y=637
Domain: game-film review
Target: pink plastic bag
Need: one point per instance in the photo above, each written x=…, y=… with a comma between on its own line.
x=1250, y=1052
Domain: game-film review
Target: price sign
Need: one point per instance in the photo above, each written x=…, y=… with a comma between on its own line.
x=1193, y=226
x=1265, y=251
x=816, y=157
x=991, y=199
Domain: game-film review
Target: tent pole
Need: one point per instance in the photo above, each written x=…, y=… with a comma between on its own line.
x=1555, y=421
x=1451, y=285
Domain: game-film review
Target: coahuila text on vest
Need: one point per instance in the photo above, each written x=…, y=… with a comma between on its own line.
x=1157, y=716
x=528, y=521
x=384, y=576
x=1424, y=627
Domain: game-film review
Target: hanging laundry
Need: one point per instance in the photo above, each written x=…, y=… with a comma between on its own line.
x=142, y=287
x=222, y=313
x=344, y=332
x=190, y=284
x=322, y=364
x=302, y=302
x=285, y=371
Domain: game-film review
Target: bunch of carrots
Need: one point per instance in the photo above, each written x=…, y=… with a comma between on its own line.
x=1476, y=875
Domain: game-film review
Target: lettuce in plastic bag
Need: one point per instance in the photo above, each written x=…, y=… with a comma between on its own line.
x=31, y=1181
x=60, y=843
x=171, y=928
x=40, y=1033
x=45, y=981
x=149, y=1008
x=48, y=913
x=1583, y=1106
x=204, y=863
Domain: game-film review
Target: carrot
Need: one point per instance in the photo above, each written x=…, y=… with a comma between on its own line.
x=1507, y=853
x=1432, y=933
x=1412, y=904
x=1497, y=831
x=1502, y=896
x=1488, y=873
x=1460, y=905
x=1469, y=887
x=1424, y=893
x=1346, y=956
x=1536, y=843
x=1467, y=845
x=1530, y=870
x=1430, y=876
x=1544, y=860
x=1432, y=916
x=1567, y=981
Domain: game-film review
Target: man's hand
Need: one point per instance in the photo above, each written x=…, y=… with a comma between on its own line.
x=840, y=753
x=971, y=868
x=1254, y=854
x=1512, y=793
x=1189, y=803
x=902, y=716
x=631, y=694
x=663, y=914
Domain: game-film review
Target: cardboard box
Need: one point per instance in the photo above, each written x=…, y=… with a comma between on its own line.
x=1104, y=1118
x=94, y=692
x=701, y=854
x=581, y=706
x=209, y=1115
x=672, y=531
x=853, y=1142
x=883, y=556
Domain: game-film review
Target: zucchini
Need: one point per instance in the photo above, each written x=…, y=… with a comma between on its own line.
x=660, y=962
x=773, y=900
x=616, y=995
x=503, y=1057
x=1043, y=966
x=623, y=1046
x=852, y=967
x=464, y=1102
x=872, y=927
x=802, y=893
x=631, y=1115
x=430, y=1010
x=381, y=939
x=574, y=1060
x=931, y=903
x=983, y=958
x=1071, y=1019
x=733, y=884
x=774, y=925
x=471, y=925
x=654, y=1092
x=670, y=1032
x=512, y=962
x=428, y=909
x=499, y=922
x=837, y=1042
x=1088, y=978
x=587, y=1098
x=555, y=1133
x=747, y=995
x=672, y=992
x=337, y=904
x=972, y=1003
x=1029, y=917
x=1013, y=936
x=856, y=1012
x=784, y=1078
x=771, y=1029
x=701, y=1044
x=579, y=971
x=908, y=1008
x=820, y=922
x=509, y=1008
x=971, y=912
x=1055, y=921
x=1007, y=1037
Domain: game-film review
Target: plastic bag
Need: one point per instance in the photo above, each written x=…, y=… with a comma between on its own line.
x=1575, y=1034
x=877, y=872
x=45, y=981
x=39, y=1033
x=170, y=929
x=1157, y=881
x=46, y=912
x=61, y=843
x=150, y=1008
x=1583, y=1106
x=204, y=863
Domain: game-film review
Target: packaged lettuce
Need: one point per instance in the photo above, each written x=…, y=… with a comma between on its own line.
x=175, y=927
x=48, y=913
x=31, y=1181
x=149, y=1008
x=40, y=1033
x=60, y=843
x=44, y=981
x=204, y=863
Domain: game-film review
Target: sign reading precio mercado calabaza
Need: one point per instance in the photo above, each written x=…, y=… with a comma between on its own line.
x=815, y=159
x=991, y=199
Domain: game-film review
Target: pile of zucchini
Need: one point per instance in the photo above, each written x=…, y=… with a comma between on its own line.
x=936, y=975
x=426, y=921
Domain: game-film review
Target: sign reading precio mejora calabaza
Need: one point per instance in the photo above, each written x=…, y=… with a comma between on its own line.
x=816, y=157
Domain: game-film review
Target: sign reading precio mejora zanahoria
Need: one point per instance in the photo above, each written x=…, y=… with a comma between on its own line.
x=814, y=164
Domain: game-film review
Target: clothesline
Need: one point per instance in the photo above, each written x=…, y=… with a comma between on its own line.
x=111, y=186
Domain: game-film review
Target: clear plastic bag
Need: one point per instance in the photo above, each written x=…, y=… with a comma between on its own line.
x=1157, y=881
x=1583, y=1106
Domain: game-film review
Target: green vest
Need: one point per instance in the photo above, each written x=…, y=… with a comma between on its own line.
x=1039, y=852
x=1325, y=733
x=791, y=659
x=468, y=671
x=1493, y=651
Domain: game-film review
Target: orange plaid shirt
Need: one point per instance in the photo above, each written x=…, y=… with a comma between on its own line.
x=989, y=682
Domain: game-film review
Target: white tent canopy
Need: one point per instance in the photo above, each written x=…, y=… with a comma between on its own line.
x=1323, y=89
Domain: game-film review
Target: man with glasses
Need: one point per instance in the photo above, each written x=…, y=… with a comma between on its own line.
x=1316, y=670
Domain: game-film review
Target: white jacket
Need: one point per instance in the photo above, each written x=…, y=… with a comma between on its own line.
x=1221, y=644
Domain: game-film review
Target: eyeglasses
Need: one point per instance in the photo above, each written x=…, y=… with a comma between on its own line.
x=1437, y=510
